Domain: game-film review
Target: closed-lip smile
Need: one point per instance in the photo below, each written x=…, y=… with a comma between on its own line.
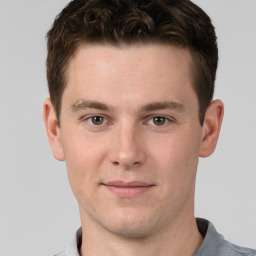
x=128, y=189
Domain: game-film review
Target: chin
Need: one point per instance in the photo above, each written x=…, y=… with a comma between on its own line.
x=130, y=231
x=130, y=225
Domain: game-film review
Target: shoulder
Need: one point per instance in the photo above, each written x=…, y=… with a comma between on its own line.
x=232, y=249
x=63, y=253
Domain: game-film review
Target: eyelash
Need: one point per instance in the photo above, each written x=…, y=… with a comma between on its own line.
x=89, y=119
x=166, y=120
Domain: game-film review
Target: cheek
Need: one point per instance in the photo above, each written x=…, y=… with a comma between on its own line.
x=84, y=156
x=178, y=156
x=82, y=150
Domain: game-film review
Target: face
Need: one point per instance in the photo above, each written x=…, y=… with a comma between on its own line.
x=131, y=137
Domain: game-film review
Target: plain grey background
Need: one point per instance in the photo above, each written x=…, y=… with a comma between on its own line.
x=38, y=213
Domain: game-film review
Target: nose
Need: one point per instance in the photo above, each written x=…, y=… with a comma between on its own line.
x=128, y=149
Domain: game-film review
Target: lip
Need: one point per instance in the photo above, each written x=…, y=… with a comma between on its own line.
x=128, y=189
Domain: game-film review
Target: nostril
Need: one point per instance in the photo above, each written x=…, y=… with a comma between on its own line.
x=116, y=163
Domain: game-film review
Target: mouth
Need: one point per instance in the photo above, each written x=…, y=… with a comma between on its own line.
x=128, y=189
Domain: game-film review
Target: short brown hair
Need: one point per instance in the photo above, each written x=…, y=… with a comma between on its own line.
x=130, y=22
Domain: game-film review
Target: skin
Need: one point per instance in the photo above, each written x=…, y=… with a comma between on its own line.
x=131, y=114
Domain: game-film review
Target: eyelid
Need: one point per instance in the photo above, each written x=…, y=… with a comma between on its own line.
x=89, y=117
x=107, y=119
x=167, y=118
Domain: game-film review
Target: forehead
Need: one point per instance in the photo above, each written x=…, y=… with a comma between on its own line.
x=131, y=57
x=152, y=71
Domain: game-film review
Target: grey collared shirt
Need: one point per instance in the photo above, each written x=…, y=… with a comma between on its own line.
x=213, y=244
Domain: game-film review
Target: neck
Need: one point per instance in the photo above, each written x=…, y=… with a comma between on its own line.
x=180, y=238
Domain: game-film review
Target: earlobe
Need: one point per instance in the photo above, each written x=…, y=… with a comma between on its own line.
x=211, y=128
x=52, y=130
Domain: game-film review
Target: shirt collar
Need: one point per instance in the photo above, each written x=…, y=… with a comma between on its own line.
x=75, y=244
x=212, y=239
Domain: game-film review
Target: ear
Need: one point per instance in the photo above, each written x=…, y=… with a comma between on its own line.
x=52, y=130
x=211, y=128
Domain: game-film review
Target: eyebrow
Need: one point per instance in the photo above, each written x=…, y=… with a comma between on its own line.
x=82, y=104
x=164, y=105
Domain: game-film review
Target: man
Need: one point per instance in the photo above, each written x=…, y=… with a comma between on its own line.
x=130, y=111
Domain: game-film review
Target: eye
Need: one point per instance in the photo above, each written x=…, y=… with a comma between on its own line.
x=96, y=120
x=159, y=120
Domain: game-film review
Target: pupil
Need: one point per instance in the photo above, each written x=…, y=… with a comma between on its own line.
x=159, y=120
x=97, y=120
